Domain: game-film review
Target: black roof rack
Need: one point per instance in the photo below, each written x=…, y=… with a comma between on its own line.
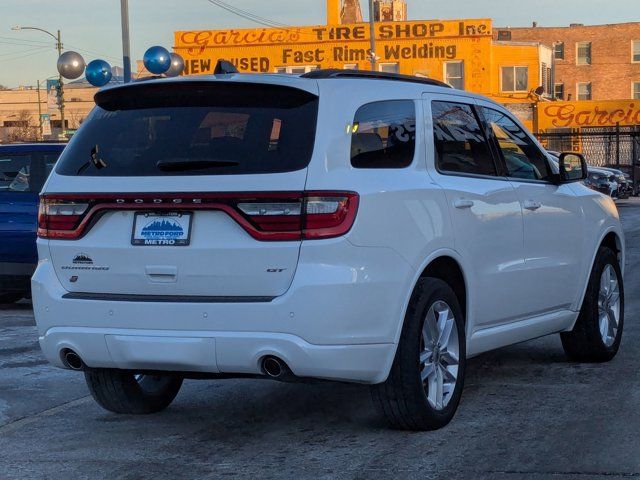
x=337, y=73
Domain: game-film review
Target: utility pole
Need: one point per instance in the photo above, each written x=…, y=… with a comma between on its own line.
x=61, y=90
x=372, y=34
x=126, y=47
x=40, y=113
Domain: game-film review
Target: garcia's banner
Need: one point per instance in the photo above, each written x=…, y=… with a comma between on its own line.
x=552, y=115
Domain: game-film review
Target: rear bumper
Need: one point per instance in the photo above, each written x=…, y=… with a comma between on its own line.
x=217, y=352
x=339, y=320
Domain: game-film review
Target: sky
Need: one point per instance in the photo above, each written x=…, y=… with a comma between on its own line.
x=92, y=27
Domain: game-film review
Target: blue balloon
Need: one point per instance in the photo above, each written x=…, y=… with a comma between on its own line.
x=157, y=60
x=98, y=73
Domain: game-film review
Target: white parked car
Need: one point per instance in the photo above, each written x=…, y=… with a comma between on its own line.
x=346, y=226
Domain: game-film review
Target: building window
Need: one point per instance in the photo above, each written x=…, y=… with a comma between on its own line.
x=389, y=67
x=351, y=66
x=547, y=78
x=297, y=70
x=636, y=90
x=584, y=53
x=635, y=51
x=515, y=79
x=454, y=74
x=584, y=91
x=558, y=91
x=558, y=50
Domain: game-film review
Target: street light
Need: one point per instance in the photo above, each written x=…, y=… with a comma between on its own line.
x=58, y=40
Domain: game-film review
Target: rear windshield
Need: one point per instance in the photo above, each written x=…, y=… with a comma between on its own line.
x=194, y=128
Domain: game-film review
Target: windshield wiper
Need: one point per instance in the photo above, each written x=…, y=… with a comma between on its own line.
x=93, y=160
x=185, y=165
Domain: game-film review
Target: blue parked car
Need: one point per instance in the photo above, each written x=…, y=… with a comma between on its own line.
x=23, y=171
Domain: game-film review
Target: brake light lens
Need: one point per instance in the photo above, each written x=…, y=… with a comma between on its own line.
x=265, y=216
x=59, y=217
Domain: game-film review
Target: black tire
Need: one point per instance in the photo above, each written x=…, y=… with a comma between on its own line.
x=8, y=298
x=585, y=343
x=120, y=392
x=402, y=398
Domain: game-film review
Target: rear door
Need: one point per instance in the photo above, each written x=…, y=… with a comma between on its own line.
x=484, y=209
x=188, y=189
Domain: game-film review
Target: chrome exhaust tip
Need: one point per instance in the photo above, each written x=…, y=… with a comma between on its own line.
x=72, y=360
x=273, y=367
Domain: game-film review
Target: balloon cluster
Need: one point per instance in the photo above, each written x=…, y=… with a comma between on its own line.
x=158, y=60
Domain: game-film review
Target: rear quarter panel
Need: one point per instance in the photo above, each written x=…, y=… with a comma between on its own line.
x=400, y=209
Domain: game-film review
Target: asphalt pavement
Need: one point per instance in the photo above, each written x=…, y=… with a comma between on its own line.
x=526, y=412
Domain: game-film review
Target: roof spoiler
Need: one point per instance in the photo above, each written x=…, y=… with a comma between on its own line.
x=337, y=73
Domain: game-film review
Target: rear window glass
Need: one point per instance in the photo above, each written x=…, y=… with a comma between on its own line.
x=384, y=135
x=194, y=128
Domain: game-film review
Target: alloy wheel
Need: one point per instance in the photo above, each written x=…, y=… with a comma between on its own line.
x=439, y=355
x=609, y=305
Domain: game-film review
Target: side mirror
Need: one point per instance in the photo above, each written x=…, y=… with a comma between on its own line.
x=573, y=168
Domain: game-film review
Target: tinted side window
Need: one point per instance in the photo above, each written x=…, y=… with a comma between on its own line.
x=522, y=157
x=15, y=173
x=384, y=135
x=461, y=146
x=25, y=172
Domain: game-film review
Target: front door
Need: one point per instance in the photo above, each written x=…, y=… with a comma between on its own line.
x=552, y=217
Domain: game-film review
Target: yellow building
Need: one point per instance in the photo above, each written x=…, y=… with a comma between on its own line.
x=459, y=52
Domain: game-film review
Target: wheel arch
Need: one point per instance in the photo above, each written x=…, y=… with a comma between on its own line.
x=447, y=269
x=448, y=266
x=611, y=238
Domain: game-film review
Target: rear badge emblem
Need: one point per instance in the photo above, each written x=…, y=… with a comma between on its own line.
x=82, y=259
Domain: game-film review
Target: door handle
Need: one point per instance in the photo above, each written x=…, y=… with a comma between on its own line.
x=462, y=203
x=532, y=205
x=161, y=273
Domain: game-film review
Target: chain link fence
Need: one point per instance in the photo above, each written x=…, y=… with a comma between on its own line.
x=615, y=147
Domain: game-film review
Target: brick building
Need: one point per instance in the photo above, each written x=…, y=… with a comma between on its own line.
x=600, y=62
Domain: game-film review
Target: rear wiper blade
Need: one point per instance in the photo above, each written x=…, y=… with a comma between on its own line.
x=184, y=165
x=93, y=160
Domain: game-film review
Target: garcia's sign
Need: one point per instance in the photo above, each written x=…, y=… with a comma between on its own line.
x=588, y=114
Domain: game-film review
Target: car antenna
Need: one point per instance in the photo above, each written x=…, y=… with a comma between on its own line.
x=224, y=67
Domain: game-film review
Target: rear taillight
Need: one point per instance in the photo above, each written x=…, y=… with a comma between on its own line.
x=265, y=216
x=313, y=215
x=60, y=218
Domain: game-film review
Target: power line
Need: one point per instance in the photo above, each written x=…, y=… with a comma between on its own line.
x=18, y=44
x=23, y=40
x=249, y=16
x=19, y=57
x=20, y=52
x=83, y=50
x=260, y=20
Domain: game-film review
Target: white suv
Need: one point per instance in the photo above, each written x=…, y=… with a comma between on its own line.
x=346, y=226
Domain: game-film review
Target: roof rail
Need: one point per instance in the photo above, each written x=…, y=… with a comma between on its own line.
x=337, y=73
